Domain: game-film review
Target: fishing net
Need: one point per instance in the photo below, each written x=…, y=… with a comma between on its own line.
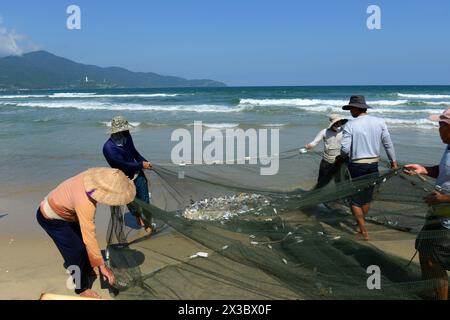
x=227, y=232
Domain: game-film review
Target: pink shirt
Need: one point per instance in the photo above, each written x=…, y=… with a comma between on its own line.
x=70, y=201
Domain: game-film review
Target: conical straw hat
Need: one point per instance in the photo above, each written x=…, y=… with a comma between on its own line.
x=109, y=186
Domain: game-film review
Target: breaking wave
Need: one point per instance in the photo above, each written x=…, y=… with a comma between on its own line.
x=313, y=102
x=95, y=95
x=95, y=105
x=81, y=95
x=423, y=96
x=325, y=108
x=418, y=123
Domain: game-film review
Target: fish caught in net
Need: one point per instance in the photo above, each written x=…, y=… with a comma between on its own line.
x=226, y=232
x=224, y=208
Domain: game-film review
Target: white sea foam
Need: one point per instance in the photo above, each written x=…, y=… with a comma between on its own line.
x=423, y=96
x=221, y=125
x=313, y=102
x=72, y=95
x=46, y=119
x=94, y=95
x=325, y=108
x=22, y=96
x=419, y=123
x=388, y=102
x=274, y=125
x=235, y=125
x=143, y=95
x=437, y=103
x=153, y=124
x=96, y=105
x=406, y=111
x=290, y=102
x=80, y=95
x=99, y=105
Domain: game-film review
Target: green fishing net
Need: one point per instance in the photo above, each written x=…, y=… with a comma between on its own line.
x=226, y=232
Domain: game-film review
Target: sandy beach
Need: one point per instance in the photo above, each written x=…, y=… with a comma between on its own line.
x=31, y=264
x=255, y=142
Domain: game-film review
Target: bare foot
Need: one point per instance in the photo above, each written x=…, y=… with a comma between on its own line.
x=148, y=229
x=89, y=293
x=363, y=236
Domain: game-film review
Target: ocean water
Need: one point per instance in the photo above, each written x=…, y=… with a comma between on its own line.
x=50, y=135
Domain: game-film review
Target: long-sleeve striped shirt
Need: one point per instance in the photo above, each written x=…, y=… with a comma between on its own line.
x=363, y=136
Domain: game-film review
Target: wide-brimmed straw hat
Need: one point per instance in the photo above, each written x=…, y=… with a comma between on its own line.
x=444, y=117
x=109, y=186
x=357, y=102
x=336, y=118
x=120, y=124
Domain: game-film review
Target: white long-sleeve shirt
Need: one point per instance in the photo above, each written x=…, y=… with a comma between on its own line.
x=332, y=144
x=363, y=136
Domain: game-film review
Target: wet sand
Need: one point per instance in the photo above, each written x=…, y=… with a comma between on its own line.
x=31, y=264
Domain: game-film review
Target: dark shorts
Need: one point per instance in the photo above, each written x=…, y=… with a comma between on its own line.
x=434, y=241
x=357, y=170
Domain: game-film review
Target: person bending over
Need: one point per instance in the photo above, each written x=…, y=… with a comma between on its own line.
x=67, y=214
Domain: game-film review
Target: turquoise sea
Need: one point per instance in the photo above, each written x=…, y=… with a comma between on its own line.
x=52, y=134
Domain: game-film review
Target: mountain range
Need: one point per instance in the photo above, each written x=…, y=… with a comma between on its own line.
x=44, y=70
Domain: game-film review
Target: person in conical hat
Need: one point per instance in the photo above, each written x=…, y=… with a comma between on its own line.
x=67, y=214
x=331, y=137
x=120, y=153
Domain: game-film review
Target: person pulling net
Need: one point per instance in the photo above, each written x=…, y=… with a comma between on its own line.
x=294, y=247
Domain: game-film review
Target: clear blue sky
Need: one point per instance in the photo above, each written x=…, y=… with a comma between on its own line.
x=248, y=42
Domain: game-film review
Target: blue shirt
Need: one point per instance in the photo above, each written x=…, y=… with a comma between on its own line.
x=125, y=158
x=363, y=136
x=443, y=180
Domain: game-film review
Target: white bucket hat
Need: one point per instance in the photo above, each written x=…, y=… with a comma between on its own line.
x=109, y=186
x=336, y=118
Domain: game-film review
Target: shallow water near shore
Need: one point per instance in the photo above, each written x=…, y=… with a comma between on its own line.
x=49, y=136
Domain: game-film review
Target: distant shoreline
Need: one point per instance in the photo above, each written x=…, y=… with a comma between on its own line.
x=231, y=87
